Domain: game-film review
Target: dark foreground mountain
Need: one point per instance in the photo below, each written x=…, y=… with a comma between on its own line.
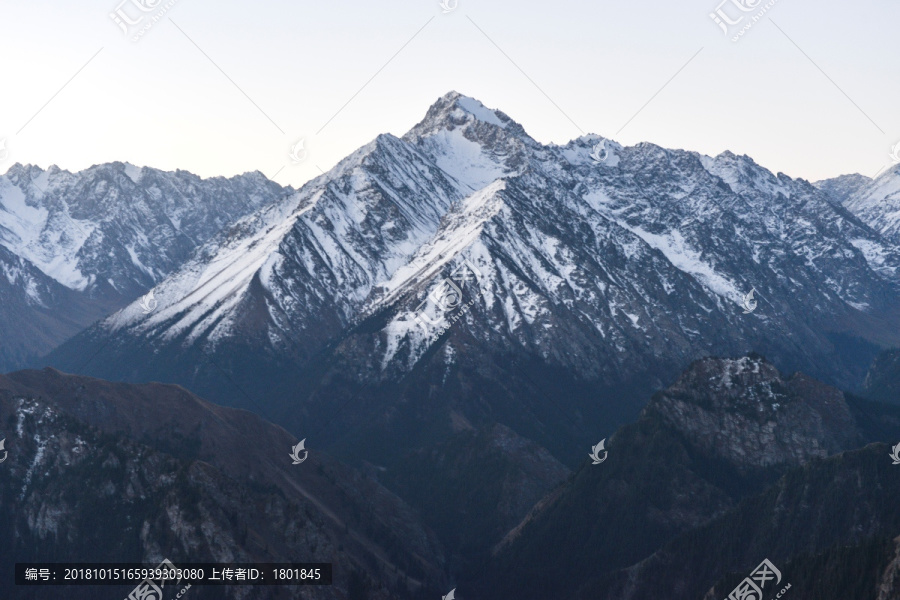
x=106, y=472
x=466, y=272
x=726, y=467
x=76, y=246
x=475, y=487
x=882, y=382
x=832, y=528
x=732, y=464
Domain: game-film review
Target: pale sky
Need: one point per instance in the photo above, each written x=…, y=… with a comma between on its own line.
x=225, y=87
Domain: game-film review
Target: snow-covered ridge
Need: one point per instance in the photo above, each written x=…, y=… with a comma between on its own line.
x=206, y=288
x=118, y=226
x=594, y=256
x=461, y=227
x=878, y=204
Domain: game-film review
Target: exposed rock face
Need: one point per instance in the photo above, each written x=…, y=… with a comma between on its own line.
x=745, y=412
x=889, y=586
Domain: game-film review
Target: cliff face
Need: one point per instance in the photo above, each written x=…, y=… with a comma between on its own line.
x=745, y=412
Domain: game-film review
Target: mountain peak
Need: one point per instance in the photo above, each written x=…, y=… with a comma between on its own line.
x=746, y=411
x=454, y=110
x=473, y=107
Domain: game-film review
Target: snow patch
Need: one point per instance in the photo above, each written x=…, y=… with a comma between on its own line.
x=686, y=259
x=134, y=173
x=479, y=111
x=463, y=159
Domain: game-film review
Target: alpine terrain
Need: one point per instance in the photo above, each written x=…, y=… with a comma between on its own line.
x=466, y=274
x=76, y=246
x=520, y=370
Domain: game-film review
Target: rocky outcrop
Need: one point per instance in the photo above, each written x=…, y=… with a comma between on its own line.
x=745, y=412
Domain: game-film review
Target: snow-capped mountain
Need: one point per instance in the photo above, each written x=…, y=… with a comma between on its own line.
x=605, y=268
x=108, y=234
x=878, y=204
x=843, y=187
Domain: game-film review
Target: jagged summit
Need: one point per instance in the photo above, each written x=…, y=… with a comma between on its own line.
x=454, y=110
x=474, y=144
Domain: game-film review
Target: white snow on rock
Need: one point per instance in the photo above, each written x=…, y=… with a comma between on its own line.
x=564, y=246
x=478, y=110
x=684, y=258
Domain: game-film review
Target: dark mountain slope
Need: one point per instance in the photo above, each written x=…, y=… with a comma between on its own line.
x=882, y=382
x=829, y=526
x=99, y=471
x=476, y=486
x=726, y=430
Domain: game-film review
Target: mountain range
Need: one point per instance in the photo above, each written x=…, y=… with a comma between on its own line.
x=76, y=246
x=451, y=320
x=604, y=269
